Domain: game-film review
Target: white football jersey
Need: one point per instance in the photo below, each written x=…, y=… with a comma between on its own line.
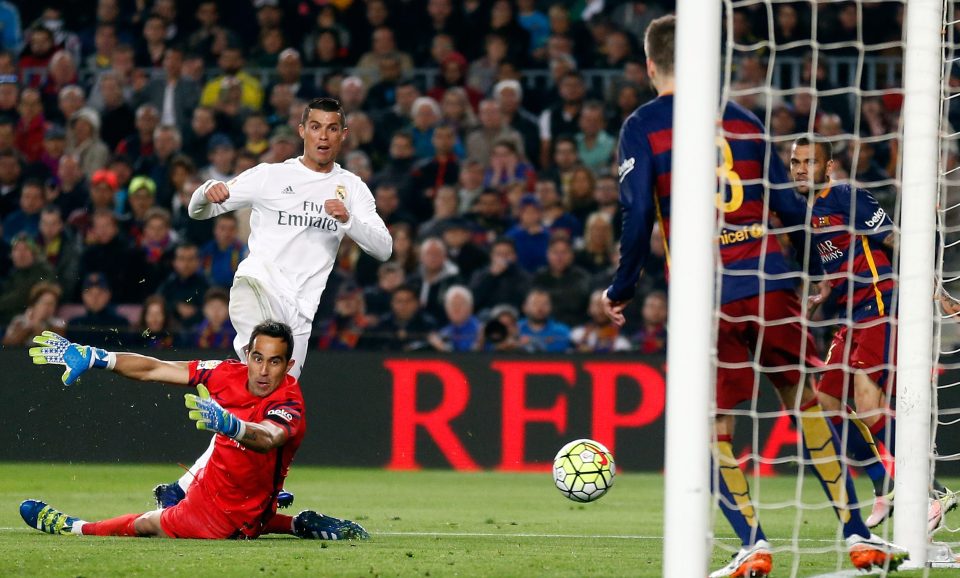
x=293, y=243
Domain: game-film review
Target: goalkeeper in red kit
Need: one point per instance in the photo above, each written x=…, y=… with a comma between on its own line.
x=256, y=412
x=760, y=313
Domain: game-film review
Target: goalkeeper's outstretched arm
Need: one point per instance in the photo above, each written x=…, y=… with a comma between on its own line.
x=143, y=368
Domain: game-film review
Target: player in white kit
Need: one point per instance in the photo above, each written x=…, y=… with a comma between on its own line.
x=301, y=209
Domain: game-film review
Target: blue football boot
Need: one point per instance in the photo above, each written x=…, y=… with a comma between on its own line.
x=313, y=526
x=46, y=519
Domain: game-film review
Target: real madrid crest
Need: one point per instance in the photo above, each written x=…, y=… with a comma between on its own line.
x=342, y=192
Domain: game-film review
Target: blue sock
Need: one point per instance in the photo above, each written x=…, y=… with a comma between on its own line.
x=861, y=447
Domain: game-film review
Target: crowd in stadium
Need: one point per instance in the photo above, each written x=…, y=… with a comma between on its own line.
x=501, y=194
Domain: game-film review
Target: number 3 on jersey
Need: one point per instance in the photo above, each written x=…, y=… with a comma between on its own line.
x=728, y=176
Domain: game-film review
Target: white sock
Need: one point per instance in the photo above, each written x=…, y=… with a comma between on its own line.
x=77, y=527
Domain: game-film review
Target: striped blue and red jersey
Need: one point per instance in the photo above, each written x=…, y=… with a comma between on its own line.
x=848, y=229
x=751, y=255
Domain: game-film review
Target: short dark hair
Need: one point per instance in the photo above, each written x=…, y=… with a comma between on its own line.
x=326, y=104
x=817, y=141
x=275, y=329
x=659, y=42
x=405, y=288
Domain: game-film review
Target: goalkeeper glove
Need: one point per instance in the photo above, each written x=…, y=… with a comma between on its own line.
x=211, y=417
x=76, y=358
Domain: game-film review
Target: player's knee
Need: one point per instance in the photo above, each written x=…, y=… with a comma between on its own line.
x=148, y=524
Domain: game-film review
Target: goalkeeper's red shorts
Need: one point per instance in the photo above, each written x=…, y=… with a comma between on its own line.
x=197, y=517
x=767, y=330
x=868, y=346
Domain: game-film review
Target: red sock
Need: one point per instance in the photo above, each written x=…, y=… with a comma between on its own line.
x=279, y=524
x=119, y=526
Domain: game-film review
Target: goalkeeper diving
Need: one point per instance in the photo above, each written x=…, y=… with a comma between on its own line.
x=255, y=411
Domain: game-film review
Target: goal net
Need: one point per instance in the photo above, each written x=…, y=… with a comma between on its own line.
x=835, y=72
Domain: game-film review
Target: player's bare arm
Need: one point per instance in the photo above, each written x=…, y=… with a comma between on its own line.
x=263, y=437
x=143, y=368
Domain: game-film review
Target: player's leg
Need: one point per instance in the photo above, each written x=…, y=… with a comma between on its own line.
x=735, y=384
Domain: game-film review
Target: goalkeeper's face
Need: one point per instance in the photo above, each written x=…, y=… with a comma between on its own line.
x=808, y=165
x=267, y=365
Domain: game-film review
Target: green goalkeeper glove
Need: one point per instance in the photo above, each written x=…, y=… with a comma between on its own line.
x=210, y=416
x=76, y=358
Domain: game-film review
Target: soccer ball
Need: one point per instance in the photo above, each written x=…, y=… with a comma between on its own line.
x=583, y=470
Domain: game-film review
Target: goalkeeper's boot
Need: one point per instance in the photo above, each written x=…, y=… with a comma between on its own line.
x=882, y=509
x=168, y=495
x=284, y=499
x=875, y=552
x=753, y=562
x=939, y=506
x=313, y=526
x=46, y=519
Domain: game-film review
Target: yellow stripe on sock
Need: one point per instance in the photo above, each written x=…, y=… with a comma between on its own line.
x=819, y=441
x=866, y=433
x=736, y=482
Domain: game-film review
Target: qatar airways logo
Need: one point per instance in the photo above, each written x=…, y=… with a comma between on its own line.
x=829, y=252
x=312, y=216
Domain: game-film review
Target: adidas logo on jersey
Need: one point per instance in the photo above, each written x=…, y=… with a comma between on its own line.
x=288, y=190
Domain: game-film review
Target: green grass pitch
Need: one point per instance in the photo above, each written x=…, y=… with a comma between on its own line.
x=430, y=523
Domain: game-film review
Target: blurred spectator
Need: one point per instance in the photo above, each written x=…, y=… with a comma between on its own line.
x=529, y=236
x=503, y=281
x=87, y=146
x=462, y=332
x=507, y=168
x=9, y=98
x=626, y=98
x=231, y=63
x=382, y=93
x=269, y=46
x=11, y=33
x=453, y=74
x=595, y=146
x=289, y=69
x=185, y=287
x=398, y=169
x=562, y=118
x=100, y=325
x=221, y=154
x=606, y=193
x=71, y=192
x=399, y=116
x=343, y=331
x=60, y=248
x=535, y=23
x=220, y=257
x=284, y=145
x=158, y=165
x=203, y=125
x=405, y=328
x=486, y=215
x=40, y=316
x=215, y=331
x=106, y=252
x=442, y=20
x=565, y=160
x=504, y=23
x=445, y=207
x=10, y=173
x=509, y=95
x=579, y=194
x=322, y=48
x=426, y=116
x=616, y=49
x=122, y=168
x=562, y=23
x=61, y=72
x=157, y=329
x=37, y=52
x=103, y=186
x=29, y=268
x=467, y=256
x=555, y=216
x=383, y=45
x=131, y=79
x=871, y=174
x=207, y=18
x=651, y=339
x=538, y=331
x=501, y=332
x=482, y=72
x=458, y=112
x=69, y=101
x=116, y=115
x=174, y=95
x=25, y=219
x=388, y=204
x=434, y=276
x=153, y=250
x=390, y=275
x=105, y=41
x=31, y=126
x=568, y=284
x=493, y=128
x=430, y=174
x=197, y=232
x=599, y=334
x=598, y=244
x=470, y=184
x=140, y=144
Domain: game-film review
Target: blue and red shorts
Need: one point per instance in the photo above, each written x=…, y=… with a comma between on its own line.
x=763, y=334
x=868, y=346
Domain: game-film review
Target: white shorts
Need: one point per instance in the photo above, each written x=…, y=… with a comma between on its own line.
x=251, y=303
